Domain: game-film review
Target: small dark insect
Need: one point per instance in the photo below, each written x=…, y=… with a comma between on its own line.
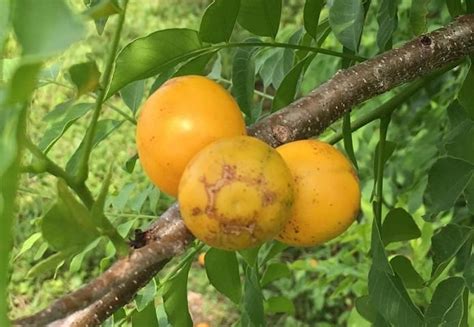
x=425, y=40
x=139, y=239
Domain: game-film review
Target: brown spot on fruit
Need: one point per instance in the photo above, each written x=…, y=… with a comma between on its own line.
x=196, y=211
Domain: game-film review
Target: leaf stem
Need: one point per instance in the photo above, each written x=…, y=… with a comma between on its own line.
x=83, y=169
x=80, y=188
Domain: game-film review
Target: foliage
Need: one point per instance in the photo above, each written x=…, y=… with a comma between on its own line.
x=407, y=262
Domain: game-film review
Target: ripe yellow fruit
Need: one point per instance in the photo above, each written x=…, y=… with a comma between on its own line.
x=236, y=193
x=180, y=118
x=327, y=193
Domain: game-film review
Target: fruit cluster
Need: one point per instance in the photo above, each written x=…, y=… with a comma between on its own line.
x=236, y=191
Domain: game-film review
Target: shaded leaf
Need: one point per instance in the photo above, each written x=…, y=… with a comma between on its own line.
x=175, y=297
x=379, y=256
x=399, y=226
x=465, y=93
x=49, y=264
x=279, y=304
x=445, y=245
x=4, y=19
x=447, y=179
x=68, y=223
x=404, y=269
x=286, y=92
x=455, y=7
x=388, y=22
x=311, y=13
x=41, y=38
x=218, y=21
x=153, y=54
x=365, y=308
x=442, y=306
x=102, y=9
x=261, y=17
x=76, y=262
x=274, y=272
x=250, y=255
x=85, y=77
x=103, y=129
x=391, y=299
x=132, y=95
x=274, y=248
x=60, y=119
x=418, y=16
x=346, y=18
x=243, y=77
x=146, y=317
x=469, y=195
x=469, y=273
x=195, y=66
x=253, y=312
x=146, y=296
x=222, y=269
x=129, y=165
x=461, y=145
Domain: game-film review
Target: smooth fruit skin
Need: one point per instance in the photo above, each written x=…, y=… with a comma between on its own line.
x=236, y=193
x=327, y=193
x=180, y=118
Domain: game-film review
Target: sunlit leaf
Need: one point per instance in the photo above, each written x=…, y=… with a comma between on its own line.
x=102, y=9
x=153, y=54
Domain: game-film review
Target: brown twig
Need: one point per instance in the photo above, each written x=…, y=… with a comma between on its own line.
x=304, y=118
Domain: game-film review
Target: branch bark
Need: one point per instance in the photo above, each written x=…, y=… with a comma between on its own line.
x=304, y=118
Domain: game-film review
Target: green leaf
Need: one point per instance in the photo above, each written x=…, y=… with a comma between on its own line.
x=68, y=223
x=132, y=95
x=389, y=148
x=146, y=296
x=55, y=26
x=388, y=22
x=455, y=8
x=28, y=244
x=469, y=273
x=4, y=19
x=146, y=317
x=222, y=269
x=346, y=18
x=279, y=304
x=311, y=12
x=399, y=226
x=175, y=296
x=85, y=77
x=129, y=165
x=418, y=16
x=286, y=92
x=456, y=113
x=470, y=6
x=465, y=93
x=365, y=308
x=253, y=312
x=50, y=263
x=469, y=195
x=103, y=129
x=59, y=120
x=391, y=299
x=404, y=269
x=275, y=271
x=195, y=66
x=218, y=21
x=102, y=9
x=243, y=77
x=250, y=255
x=447, y=179
x=274, y=248
x=379, y=256
x=76, y=262
x=445, y=295
x=446, y=244
x=460, y=145
x=153, y=54
x=261, y=17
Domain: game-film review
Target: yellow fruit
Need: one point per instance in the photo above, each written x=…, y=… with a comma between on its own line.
x=236, y=193
x=180, y=118
x=327, y=193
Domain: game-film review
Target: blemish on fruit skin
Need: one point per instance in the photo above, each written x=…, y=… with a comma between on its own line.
x=196, y=211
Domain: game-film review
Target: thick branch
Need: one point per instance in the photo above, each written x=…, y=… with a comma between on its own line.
x=304, y=118
x=313, y=113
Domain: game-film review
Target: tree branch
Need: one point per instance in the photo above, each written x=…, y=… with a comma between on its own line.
x=304, y=118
